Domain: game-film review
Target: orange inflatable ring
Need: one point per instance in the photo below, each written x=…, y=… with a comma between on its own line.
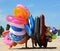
x=21, y=10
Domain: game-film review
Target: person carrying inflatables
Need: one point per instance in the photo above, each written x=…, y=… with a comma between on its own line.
x=48, y=34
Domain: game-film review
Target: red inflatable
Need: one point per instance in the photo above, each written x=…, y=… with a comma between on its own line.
x=5, y=33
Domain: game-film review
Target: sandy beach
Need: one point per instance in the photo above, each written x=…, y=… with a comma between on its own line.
x=52, y=46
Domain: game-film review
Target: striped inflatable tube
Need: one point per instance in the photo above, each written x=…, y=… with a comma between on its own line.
x=16, y=38
x=17, y=33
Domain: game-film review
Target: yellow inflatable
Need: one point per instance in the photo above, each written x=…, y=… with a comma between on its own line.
x=18, y=11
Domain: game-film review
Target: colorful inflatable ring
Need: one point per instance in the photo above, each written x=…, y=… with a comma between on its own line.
x=16, y=38
x=21, y=11
x=17, y=25
x=21, y=17
x=23, y=7
x=54, y=36
x=54, y=31
x=16, y=29
x=16, y=32
x=13, y=19
x=8, y=41
x=22, y=41
x=5, y=33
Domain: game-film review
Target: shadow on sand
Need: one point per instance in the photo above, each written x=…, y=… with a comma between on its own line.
x=37, y=48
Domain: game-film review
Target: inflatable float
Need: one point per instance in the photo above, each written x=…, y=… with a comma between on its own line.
x=40, y=31
x=22, y=24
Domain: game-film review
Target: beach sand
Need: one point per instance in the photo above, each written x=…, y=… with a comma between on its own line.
x=52, y=46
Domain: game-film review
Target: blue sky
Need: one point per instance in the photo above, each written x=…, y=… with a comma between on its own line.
x=50, y=8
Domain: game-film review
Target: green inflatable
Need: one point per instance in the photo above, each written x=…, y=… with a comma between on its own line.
x=54, y=36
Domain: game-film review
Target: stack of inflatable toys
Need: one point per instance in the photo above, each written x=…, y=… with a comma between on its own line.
x=54, y=32
x=17, y=33
x=22, y=22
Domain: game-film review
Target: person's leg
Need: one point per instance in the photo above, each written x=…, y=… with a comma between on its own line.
x=26, y=41
x=32, y=38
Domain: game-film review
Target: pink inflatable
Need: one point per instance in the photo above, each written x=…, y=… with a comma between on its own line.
x=17, y=25
x=8, y=41
x=23, y=7
x=15, y=20
x=21, y=10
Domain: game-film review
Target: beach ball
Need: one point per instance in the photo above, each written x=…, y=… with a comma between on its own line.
x=21, y=10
